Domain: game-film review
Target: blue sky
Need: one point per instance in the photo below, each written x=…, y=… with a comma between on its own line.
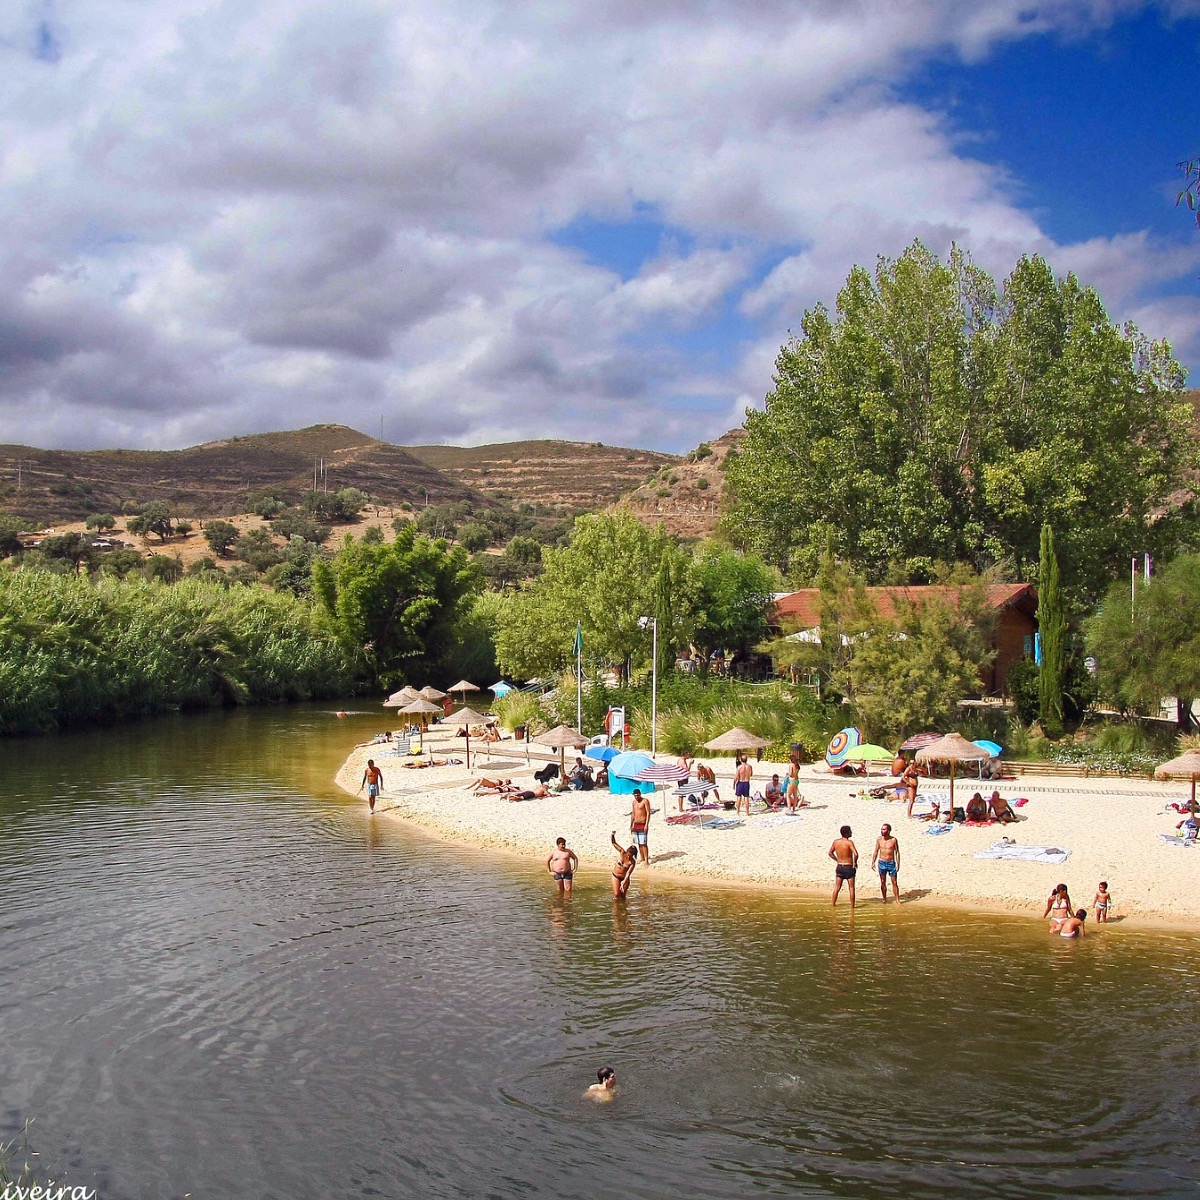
x=482, y=221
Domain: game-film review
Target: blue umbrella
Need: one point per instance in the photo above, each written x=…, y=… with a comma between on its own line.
x=603, y=753
x=992, y=748
x=629, y=765
x=501, y=689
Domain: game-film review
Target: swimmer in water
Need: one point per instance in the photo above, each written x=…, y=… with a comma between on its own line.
x=1069, y=927
x=603, y=1091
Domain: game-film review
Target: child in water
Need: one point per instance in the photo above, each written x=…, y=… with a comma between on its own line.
x=603, y=1091
x=1102, y=903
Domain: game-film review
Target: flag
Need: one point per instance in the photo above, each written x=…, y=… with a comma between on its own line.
x=578, y=638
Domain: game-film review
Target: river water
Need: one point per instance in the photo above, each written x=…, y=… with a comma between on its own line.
x=219, y=979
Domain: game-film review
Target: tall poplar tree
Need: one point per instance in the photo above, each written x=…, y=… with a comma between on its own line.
x=1052, y=625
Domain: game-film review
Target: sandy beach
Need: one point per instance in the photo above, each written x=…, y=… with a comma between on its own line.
x=1110, y=826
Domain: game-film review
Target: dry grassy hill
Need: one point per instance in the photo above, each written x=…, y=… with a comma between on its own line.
x=685, y=497
x=572, y=477
x=56, y=486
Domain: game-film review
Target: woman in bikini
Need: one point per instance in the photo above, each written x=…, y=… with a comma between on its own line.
x=792, y=795
x=1058, y=906
x=622, y=870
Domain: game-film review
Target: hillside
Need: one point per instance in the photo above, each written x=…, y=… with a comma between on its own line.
x=685, y=496
x=571, y=476
x=215, y=479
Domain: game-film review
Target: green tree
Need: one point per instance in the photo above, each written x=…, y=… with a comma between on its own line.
x=257, y=548
x=163, y=567
x=935, y=419
x=71, y=548
x=153, y=518
x=1190, y=194
x=728, y=595
x=220, y=535
x=101, y=521
x=11, y=528
x=604, y=578
x=1052, y=627
x=398, y=607
x=911, y=674
x=1148, y=648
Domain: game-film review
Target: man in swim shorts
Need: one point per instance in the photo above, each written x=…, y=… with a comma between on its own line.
x=639, y=825
x=845, y=854
x=741, y=784
x=886, y=860
x=562, y=864
x=373, y=778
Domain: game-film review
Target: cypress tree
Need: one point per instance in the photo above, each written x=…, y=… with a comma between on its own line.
x=1052, y=625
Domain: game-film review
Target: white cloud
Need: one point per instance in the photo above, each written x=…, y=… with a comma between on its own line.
x=226, y=218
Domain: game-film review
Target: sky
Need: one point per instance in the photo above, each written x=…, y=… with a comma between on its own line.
x=439, y=221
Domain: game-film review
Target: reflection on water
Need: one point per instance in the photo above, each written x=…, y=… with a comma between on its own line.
x=220, y=978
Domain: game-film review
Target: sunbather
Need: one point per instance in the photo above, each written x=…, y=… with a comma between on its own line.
x=492, y=785
x=977, y=808
x=1001, y=809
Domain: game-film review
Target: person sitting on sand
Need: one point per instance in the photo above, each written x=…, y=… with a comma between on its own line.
x=622, y=871
x=1069, y=926
x=1001, y=809
x=934, y=814
x=773, y=797
x=1058, y=906
x=603, y=1091
x=977, y=808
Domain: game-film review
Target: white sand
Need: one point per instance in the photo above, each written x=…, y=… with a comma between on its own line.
x=1110, y=826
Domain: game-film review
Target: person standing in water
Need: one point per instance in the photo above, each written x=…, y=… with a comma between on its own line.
x=622, y=871
x=845, y=854
x=373, y=778
x=562, y=864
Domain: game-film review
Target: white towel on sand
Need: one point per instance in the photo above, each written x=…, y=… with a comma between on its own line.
x=1040, y=854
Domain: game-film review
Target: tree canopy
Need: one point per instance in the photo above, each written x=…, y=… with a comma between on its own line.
x=1147, y=646
x=937, y=418
x=397, y=606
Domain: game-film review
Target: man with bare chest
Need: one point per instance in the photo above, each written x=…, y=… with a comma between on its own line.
x=845, y=854
x=886, y=860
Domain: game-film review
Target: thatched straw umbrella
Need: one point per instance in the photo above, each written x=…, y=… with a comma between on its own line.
x=468, y=716
x=422, y=708
x=560, y=737
x=406, y=695
x=1186, y=766
x=464, y=686
x=431, y=693
x=737, y=739
x=951, y=749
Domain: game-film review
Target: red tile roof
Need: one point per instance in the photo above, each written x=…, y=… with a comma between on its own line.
x=803, y=608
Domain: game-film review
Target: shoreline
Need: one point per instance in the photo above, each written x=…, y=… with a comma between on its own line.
x=1110, y=825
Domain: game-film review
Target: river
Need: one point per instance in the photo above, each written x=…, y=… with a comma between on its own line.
x=219, y=979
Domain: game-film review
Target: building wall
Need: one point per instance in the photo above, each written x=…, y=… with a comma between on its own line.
x=1009, y=640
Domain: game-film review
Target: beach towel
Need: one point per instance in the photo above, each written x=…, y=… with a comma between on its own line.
x=1010, y=850
x=720, y=823
x=935, y=829
x=1173, y=839
x=771, y=820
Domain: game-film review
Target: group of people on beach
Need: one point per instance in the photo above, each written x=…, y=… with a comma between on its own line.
x=1066, y=920
x=885, y=860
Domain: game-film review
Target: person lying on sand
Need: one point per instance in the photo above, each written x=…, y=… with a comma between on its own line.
x=492, y=785
x=529, y=794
